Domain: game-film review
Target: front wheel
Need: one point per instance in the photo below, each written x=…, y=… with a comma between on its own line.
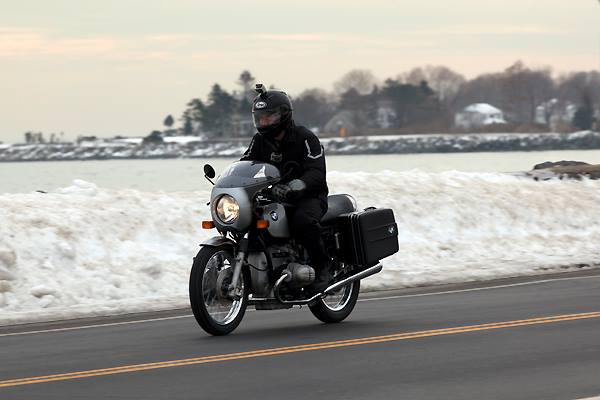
x=211, y=274
x=337, y=306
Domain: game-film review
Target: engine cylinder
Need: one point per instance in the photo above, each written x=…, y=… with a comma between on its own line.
x=299, y=274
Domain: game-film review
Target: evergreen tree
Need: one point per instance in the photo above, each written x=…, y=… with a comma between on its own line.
x=584, y=116
x=216, y=116
x=169, y=121
x=246, y=82
x=188, y=128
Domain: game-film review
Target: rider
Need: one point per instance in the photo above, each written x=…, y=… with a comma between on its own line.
x=278, y=141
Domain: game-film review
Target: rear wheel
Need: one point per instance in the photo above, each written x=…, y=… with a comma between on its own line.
x=337, y=306
x=211, y=274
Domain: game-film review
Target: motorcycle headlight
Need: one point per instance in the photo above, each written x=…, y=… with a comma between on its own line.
x=228, y=209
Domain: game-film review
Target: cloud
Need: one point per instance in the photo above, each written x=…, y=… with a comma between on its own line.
x=474, y=30
x=24, y=42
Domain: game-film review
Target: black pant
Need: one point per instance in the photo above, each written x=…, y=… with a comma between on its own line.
x=304, y=225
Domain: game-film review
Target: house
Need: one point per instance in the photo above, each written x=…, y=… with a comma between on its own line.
x=386, y=115
x=342, y=120
x=478, y=115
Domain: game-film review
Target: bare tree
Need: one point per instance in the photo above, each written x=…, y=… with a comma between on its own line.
x=361, y=80
x=518, y=91
x=444, y=81
x=314, y=107
x=574, y=86
x=524, y=90
x=485, y=88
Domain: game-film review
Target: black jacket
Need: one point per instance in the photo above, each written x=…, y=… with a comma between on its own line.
x=299, y=145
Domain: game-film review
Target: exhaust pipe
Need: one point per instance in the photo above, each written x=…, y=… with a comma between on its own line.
x=336, y=286
x=361, y=275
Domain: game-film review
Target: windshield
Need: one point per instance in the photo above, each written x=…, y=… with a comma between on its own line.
x=247, y=173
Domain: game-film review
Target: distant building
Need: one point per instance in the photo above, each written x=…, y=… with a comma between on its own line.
x=555, y=114
x=386, y=115
x=478, y=115
x=343, y=119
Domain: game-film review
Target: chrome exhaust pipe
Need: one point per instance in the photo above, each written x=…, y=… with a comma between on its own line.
x=361, y=275
x=336, y=286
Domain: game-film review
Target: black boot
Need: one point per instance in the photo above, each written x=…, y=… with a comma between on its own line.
x=322, y=280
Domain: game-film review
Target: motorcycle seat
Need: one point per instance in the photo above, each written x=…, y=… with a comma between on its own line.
x=338, y=204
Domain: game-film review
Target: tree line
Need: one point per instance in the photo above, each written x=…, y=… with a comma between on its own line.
x=422, y=99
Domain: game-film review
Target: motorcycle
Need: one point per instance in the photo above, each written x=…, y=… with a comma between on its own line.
x=255, y=261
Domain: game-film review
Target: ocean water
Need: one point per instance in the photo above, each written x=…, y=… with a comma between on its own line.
x=173, y=175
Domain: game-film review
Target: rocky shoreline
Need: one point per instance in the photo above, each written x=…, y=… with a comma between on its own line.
x=397, y=144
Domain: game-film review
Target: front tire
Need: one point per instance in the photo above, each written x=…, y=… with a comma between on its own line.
x=216, y=314
x=337, y=306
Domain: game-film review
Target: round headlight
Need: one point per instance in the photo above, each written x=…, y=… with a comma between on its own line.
x=228, y=209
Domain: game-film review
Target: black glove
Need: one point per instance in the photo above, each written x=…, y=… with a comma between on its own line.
x=292, y=190
x=281, y=192
x=297, y=186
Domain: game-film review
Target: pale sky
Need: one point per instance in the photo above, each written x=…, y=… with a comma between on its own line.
x=120, y=66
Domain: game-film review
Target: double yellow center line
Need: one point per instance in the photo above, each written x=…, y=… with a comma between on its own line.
x=297, y=349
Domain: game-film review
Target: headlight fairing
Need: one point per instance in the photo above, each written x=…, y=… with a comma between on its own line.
x=227, y=209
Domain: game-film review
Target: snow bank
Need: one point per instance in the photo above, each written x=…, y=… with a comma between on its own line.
x=84, y=250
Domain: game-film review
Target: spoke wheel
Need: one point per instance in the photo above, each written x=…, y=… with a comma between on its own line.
x=338, y=299
x=337, y=306
x=211, y=275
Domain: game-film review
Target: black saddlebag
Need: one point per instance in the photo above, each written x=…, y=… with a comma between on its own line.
x=367, y=236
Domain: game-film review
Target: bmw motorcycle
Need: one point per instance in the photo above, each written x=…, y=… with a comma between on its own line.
x=255, y=261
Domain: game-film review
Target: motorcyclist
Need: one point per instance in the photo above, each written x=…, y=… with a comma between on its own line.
x=278, y=141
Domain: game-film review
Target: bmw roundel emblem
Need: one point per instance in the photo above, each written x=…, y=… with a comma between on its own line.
x=260, y=105
x=274, y=215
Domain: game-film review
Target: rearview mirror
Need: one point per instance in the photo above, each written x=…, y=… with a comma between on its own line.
x=209, y=171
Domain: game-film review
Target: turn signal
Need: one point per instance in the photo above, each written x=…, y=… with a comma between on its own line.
x=262, y=224
x=208, y=224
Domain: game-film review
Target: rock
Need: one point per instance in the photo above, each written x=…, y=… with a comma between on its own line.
x=563, y=163
x=565, y=169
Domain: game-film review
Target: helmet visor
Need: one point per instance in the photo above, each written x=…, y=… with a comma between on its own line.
x=266, y=118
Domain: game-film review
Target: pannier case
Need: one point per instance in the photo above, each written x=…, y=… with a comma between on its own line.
x=368, y=236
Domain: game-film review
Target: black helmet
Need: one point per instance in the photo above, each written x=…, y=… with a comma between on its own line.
x=271, y=111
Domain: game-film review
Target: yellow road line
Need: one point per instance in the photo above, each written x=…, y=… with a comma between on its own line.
x=299, y=348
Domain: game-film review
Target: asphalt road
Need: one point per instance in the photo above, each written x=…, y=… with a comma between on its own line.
x=515, y=340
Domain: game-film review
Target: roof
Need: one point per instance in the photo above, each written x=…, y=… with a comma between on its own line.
x=482, y=108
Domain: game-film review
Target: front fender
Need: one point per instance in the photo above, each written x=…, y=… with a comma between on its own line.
x=217, y=241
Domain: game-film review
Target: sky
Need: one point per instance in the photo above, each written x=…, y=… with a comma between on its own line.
x=109, y=67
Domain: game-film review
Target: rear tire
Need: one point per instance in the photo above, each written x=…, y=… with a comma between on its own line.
x=216, y=315
x=337, y=306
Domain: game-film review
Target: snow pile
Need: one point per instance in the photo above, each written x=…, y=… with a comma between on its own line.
x=84, y=250
x=457, y=227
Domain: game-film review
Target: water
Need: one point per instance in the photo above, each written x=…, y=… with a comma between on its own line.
x=187, y=175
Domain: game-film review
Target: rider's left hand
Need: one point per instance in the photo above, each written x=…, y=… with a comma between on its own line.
x=281, y=192
x=285, y=192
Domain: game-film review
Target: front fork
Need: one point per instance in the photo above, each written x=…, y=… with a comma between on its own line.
x=234, y=291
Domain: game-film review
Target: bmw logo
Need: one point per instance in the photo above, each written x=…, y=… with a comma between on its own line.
x=274, y=215
x=260, y=105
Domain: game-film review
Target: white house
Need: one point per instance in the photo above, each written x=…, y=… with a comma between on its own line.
x=478, y=115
